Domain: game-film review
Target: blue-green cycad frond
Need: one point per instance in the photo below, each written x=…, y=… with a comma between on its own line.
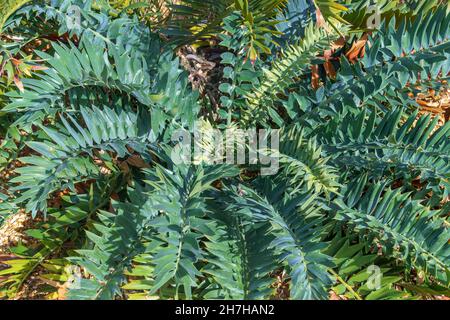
x=294, y=62
x=412, y=147
x=295, y=224
x=117, y=238
x=106, y=70
x=235, y=263
x=179, y=196
x=404, y=228
x=82, y=67
x=303, y=163
x=396, y=60
x=67, y=153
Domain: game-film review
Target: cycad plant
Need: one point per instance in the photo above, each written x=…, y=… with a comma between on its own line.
x=94, y=92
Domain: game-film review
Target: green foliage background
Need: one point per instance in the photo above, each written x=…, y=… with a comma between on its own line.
x=86, y=142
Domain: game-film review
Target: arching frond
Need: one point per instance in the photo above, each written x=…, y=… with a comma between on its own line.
x=297, y=238
x=67, y=155
x=402, y=226
x=409, y=149
x=295, y=60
